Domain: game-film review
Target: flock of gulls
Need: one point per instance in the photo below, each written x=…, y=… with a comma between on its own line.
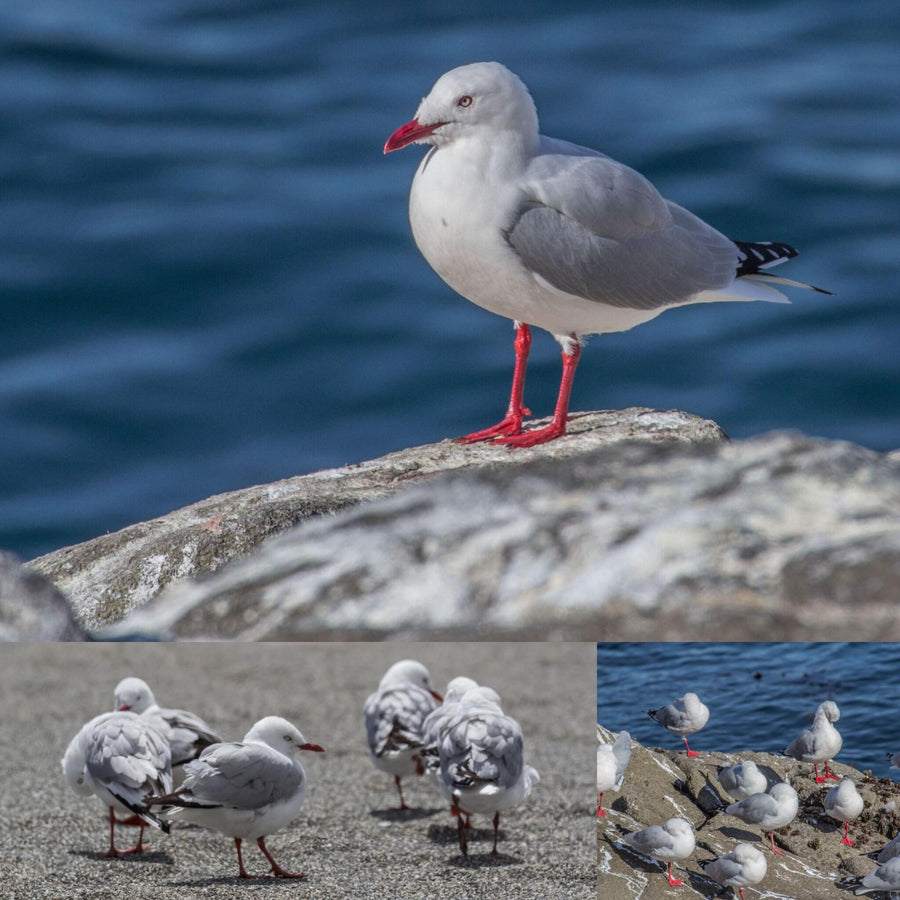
x=249, y=789
x=756, y=802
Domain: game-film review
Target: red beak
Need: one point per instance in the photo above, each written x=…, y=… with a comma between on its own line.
x=409, y=134
x=315, y=747
x=124, y=708
x=437, y=696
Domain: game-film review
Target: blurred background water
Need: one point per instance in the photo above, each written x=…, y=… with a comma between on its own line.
x=208, y=279
x=760, y=696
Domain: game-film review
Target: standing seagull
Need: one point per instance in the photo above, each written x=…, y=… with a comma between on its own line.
x=123, y=760
x=612, y=761
x=774, y=809
x=844, y=803
x=743, y=866
x=674, y=840
x=245, y=789
x=188, y=735
x=551, y=234
x=819, y=743
x=684, y=716
x=395, y=716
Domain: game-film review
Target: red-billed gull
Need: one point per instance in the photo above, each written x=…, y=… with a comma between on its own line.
x=819, y=743
x=684, y=716
x=743, y=866
x=551, y=234
x=674, y=840
x=773, y=809
x=612, y=761
x=844, y=804
x=743, y=779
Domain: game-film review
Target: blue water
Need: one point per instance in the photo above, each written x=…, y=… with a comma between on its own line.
x=760, y=696
x=208, y=279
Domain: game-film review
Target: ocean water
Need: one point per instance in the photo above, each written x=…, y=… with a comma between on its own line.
x=760, y=696
x=208, y=279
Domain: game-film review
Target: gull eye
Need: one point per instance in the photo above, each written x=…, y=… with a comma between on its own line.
x=465, y=101
x=287, y=737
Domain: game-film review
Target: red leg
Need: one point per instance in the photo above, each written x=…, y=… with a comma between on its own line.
x=496, y=826
x=557, y=426
x=516, y=411
x=686, y=747
x=276, y=869
x=820, y=778
x=600, y=810
x=242, y=872
x=846, y=838
x=830, y=774
x=775, y=850
x=460, y=829
x=112, y=852
x=675, y=882
x=400, y=792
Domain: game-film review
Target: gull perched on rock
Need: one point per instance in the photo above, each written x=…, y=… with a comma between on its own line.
x=674, y=840
x=245, y=789
x=885, y=878
x=684, y=716
x=188, y=735
x=395, y=716
x=551, y=234
x=844, y=804
x=773, y=809
x=122, y=759
x=743, y=866
x=612, y=761
x=819, y=743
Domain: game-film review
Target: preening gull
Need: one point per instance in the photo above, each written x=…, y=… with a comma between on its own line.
x=395, y=715
x=819, y=743
x=554, y=235
x=684, y=716
x=844, y=803
x=674, y=840
x=123, y=760
x=743, y=866
x=774, y=809
x=245, y=789
x=612, y=761
x=188, y=735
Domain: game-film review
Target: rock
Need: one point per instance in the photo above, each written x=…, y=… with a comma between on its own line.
x=660, y=784
x=31, y=607
x=776, y=535
x=109, y=576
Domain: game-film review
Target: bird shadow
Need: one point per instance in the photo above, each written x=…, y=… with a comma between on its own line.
x=256, y=880
x=483, y=860
x=157, y=857
x=411, y=814
x=449, y=835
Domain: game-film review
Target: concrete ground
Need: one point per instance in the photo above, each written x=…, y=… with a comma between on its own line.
x=346, y=837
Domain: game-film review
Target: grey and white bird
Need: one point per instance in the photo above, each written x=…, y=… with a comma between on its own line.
x=684, y=716
x=743, y=866
x=245, y=789
x=820, y=742
x=554, y=235
x=885, y=878
x=123, y=760
x=482, y=763
x=188, y=735
x=612, y=761
x=889, y=850
x=395, y=717
x=844, y=804
x=743, y=779
x=674, y=840
x=773, y=809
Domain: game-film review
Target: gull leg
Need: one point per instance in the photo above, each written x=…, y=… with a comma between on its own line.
x=139, y=847
x=276, y=869
x=600, y=810
x=675, y=882
x=775, y=850
x=557, y=426
x=686, y=747
x=400, y=792
x=460, y=829
x=512, y=422
x=243, y=873
x=820, y=778
x=830, y=774
x=496, y=826
x=846, y=838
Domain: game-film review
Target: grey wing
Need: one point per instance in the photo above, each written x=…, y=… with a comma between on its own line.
x=243, y=776
x=650, y=840
x=487, y=747
x=672, y=716
x=723, y=869
x=125, y=752
x=622, y=752
x=802, y=745
x=754, y=809
x=594, y=228
x=395, y=720
x=189, y=734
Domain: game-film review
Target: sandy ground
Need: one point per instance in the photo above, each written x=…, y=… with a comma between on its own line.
x=346, y=837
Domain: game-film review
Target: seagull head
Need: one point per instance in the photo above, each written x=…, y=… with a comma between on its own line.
x=479, y=99
x=280, y=735
x=409, y=671
x=134, y=695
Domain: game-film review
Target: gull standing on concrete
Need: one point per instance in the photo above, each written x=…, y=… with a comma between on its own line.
x=819, y=743
x=743, y=779
x=674, y=840
x=844, y=804
x=245, y=789
x=483, y=770
x=684, y=716
x=395, y=716
x=884, y=878
x=743, y=866
x=123, y=760
x=552, y=234
x=774, y=809
x=188, y=735
x=612, y=761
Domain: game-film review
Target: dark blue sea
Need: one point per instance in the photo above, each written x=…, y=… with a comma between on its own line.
x=208, y=279
x=760, y=696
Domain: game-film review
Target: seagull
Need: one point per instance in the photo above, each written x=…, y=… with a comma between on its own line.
x=554, y=235
x=819, y=743
x=888, y=851
x=482, y=767
x=188, y=735
x=123, y=760
x=394, y=717
x=612, y=761
x=674, y=840
x=895, y=760
x=884, y=878
x=773, y=809
x=245, y=789
x=743, y=779
x=743, y=866
x=844, y=803
x=684, y=716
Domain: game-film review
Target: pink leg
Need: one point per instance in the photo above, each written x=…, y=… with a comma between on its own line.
x=775, y=850
x=139, y=847
x=276, y=869
x=460, y=829
x=512, y=423
x=830, y=774
x=675, y=882
x=242, y=872
x=686, y=747
x=600, y=810
x=400, y=792
x=557, y=426
x=846, y=838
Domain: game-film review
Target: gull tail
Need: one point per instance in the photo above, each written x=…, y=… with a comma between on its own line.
x=753, y=257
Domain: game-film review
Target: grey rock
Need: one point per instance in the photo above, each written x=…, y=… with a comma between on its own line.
x=31, y=607
x=660, y=784
x=637, y=541
x=107, y=577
